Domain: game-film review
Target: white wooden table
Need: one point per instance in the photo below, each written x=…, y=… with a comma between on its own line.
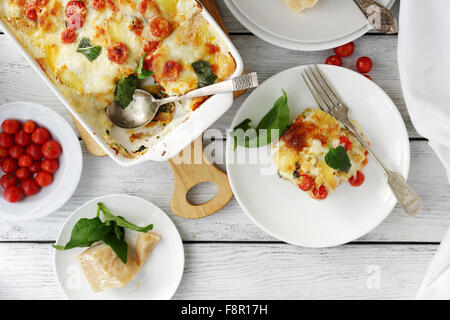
x=227, y=256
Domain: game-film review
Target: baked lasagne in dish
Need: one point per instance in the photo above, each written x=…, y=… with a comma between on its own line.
x=301, y=154
x=95, y=51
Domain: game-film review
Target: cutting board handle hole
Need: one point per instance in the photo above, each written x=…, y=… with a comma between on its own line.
x=201, y=193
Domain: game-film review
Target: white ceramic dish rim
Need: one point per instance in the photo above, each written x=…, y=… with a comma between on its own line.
x=405, y=174
x=119, y=195
x=297, y=45
x=185, y=132
x=60, y=201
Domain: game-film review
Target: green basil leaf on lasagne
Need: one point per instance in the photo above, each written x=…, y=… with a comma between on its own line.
x=140, y=71
x=125, y=89
x=204, y=73
x=89, y=51
x=338, y=159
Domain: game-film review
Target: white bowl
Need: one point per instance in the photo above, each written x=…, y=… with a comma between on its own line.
x=65, y=180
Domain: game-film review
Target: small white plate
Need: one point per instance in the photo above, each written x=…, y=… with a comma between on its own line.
x=330, y=23
x=289, y=214
x=161, y=274
x=65, y=180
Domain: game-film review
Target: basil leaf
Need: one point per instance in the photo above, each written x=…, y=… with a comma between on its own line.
x=125, y=89
x=204, y=73
x=338, y=159
x=85, y=233
x=118, y=245
x=276, y=119
x=120, y=221
x=142, y=73
x=89, y=51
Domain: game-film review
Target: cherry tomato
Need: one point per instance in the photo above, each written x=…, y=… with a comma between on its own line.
x=34, y=150
x=51, y=149
x=367, y=76
x=68, y=35
x=29, y=187
x=35, y=167
x=320, y=193
x=9, y=165
x=25, y=160
x=23, y=173
x=346, y=142
x=29, y=126
x=345, y=50
x=334, y=60
x=364, y=64
x=76, y=13
x=43, y=178
x=40, y=136
x=49, y=165
x=31, y=14
x=357, y=180
x=16, y=151
x=3, y=153
x=12, y=194
x=306, y=182
x=10, y=126
x=160, y=27
x=22, y=138
x=8, y=180
x=6, y=140
x=171, y=71
x=118, y=52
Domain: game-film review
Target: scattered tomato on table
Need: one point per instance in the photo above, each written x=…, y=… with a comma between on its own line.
x=28, y=158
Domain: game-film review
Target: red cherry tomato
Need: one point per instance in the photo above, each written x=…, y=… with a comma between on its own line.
x=3, y=153
x=29, y=187
x=118, y=52
x=25, y=160
x=10, y=126
x=68, y=35
x=12, y=194
x=51, y=149
x=9, y=165
x=35, y=167
x=6, y=140
x=23, y=173
x=160, y=27
x=364, y=64
x=171, y=71
x=49, y=165
x=76, y=13
x=306, y=182
x=334, y=60
x=16, y=151
x=367, y=76
x=320, y=193
x=357, y=180
x=346, y=142
x=8, y=180
x=29, y=126
x=40, y=136
x=345, y=50
x=22, y=138
x=43, y=178
x=34, y=150
x=31, y=14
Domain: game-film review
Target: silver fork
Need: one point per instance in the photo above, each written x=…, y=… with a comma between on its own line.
x=330, y=102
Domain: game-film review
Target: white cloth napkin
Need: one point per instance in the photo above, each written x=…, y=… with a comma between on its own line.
x=424, y=66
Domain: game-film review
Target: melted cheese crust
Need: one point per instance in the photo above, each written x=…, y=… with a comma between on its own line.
x=89, y=86
x=302, y=149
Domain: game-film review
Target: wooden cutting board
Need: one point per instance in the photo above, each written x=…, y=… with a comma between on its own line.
x=187, y=175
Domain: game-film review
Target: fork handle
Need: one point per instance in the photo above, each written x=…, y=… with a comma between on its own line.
x=409, y=200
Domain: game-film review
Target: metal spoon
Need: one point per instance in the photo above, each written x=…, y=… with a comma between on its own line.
x=378, y=16
x=143, y=108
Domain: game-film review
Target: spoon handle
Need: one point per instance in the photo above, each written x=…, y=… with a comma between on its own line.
x=242, y=82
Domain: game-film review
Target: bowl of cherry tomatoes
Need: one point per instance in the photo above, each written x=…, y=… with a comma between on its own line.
x=40, y=161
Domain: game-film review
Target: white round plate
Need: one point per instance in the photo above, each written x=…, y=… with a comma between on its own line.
x=329, y=24
x=287, y=213
x=65, y=180
x=158, y=278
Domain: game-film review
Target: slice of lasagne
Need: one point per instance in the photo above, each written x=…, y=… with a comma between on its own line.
x=300, y=154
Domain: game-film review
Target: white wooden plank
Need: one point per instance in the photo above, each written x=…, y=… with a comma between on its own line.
x=19, y=83
x=154, y=181
x=250, y=271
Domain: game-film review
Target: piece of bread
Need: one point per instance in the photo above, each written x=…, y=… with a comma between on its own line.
x=300, y=5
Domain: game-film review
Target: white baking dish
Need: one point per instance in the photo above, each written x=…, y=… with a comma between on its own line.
x=178, y=137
